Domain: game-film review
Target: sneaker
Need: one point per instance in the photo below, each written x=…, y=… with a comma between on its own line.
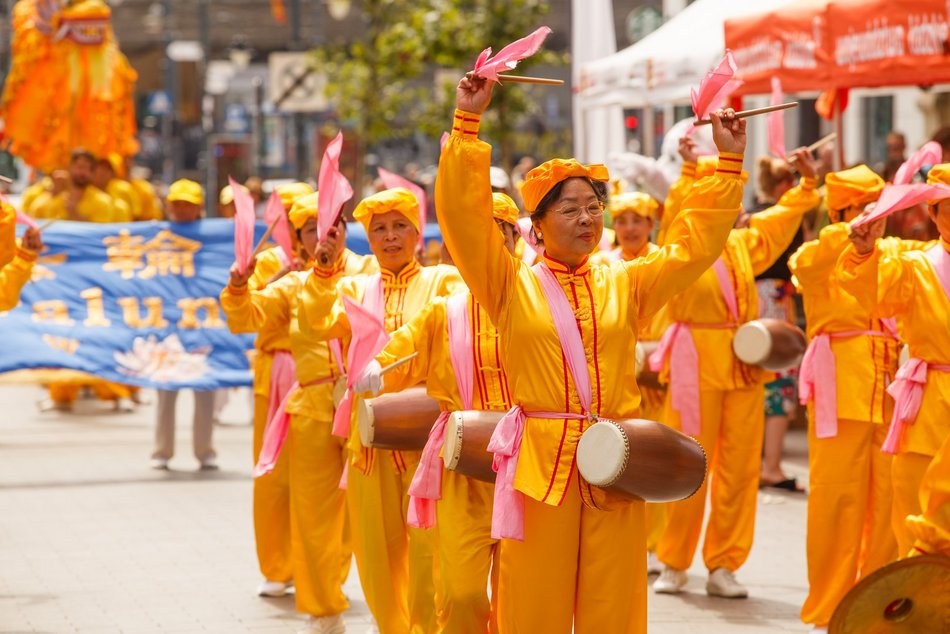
x=722, y=583
x=270, y=588
x=654, y=565
x=209, y=463
x=670, y=581
x=160, y=464
x=324, y=625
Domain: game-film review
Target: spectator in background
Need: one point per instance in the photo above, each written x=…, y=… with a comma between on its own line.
x=896, y=147
x=226, y=207
x=73, y=196
x=256, y=186
x=185, y=204
x=107, y=178
x=149, y=203
x=942, y=136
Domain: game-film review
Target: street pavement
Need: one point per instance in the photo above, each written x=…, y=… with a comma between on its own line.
x=93, y=540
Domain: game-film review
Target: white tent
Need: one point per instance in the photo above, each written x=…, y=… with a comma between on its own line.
x=663, y=66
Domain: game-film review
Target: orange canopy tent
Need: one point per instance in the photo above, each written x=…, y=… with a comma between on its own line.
x=825, y=44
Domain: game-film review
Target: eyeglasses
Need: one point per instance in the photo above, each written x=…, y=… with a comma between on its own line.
x=594, y=210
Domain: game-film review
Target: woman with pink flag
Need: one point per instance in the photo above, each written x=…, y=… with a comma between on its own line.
x=305, y=542
x=914, y=287
x=395, y=562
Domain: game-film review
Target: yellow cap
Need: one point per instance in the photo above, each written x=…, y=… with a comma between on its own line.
x=504, y=208
x=542, y=179
x=853, y=186
x=227, y=194
x=186, y=191
x=290, y=192
x=396, y=199
x=633, y=202
x=303, y=209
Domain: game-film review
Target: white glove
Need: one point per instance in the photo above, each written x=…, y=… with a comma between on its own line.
x=371, y=380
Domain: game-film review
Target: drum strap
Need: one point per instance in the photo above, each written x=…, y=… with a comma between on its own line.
x=426, y=486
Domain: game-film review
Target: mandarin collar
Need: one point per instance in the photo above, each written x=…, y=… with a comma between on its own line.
x=401, y=279
x=559, y=268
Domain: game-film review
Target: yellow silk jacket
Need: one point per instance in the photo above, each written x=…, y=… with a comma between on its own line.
x=271, y=310
x=932, y=527
x=94, y=206
x=863, y=365
x=323, y=317
x=748, y=252
x=905, y=285
x=609, y=303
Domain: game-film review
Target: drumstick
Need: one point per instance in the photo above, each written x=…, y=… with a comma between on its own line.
x=522, y=79
x=46, y=224
x=742, y=114
x=399, y=362
x=264, y=238
x=4, y=179
x=828, y=138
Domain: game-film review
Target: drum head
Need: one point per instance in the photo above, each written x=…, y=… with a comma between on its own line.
x=752, y=343
x=452, y=447
x=364, y=416
x=602, y=453
x=906, y=596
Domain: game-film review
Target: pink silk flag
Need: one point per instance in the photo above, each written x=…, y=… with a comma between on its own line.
x=775, y=122
x=243, y=225
x=391, y=180
x=896, y=197
x=281, y=234
x=369, y=336
x=334, y=189
x=508, y=57
x=930, y=154
x=715, y=87
x=22, y=218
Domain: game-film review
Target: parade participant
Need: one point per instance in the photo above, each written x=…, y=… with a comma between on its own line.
x=124, y=199
x=394, y=562
x=76, y=198
x=149, y=204
x=226, y=208
x=566, y=371
x=852, y=355
x=271, y=493
x=17, y=259
x=454, y=334
x=184, y=204
x=719, y=400
x=305, y=540
x=931, y=528
x=914, y=287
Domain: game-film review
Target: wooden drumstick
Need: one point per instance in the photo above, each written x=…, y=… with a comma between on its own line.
x=395, y=364
x=828, y=138
x=5, y=179
x=263, y=240
x=522, y=79
x=46, y=224
x=742, y=114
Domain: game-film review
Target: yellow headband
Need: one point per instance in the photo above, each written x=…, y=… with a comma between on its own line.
x=504, y=208
x=855, y=186
x=542, y=179
x=396, y=199
x=291, y=192
x=303, y=209
x=633, y=202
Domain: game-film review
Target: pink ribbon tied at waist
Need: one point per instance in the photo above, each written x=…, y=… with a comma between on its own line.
x=818, y=377
x=908, y=393
x=426, y=486
x=283, y=379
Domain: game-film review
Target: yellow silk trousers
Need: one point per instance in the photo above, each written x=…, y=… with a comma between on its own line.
x=849, y=513
x=466, y=549
x=396, y=563
x=657, y=515
x=321, y=554
x=68, y=391
x=271, y=507
x=576, y=565
x=907, y=472
x=732, y=423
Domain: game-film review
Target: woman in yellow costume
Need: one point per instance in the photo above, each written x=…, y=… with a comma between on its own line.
x=460, y=364
x=914, y=287
x=851, y=358
x=316, y=556
x=271, y=493
x=560, y=564
x=395, y=562
x=16, y=260
x=69, y=84
x=717, y=399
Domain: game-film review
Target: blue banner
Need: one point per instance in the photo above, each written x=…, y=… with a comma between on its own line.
x=135, y=303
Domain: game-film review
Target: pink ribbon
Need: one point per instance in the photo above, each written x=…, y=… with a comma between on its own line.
x=426, y=486
x=726, y=287
x=505, y=444
x=677, y=344
x=282, y=383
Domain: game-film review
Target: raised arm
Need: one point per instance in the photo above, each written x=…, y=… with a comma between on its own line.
x=882, y=283
x=320, y=312
x=463, y=202
x=15, y=275
x=680, y=187
x=814, y=261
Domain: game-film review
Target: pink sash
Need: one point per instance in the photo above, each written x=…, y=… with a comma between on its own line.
x=677, y=344
x=426, y=485
x=282, y=257
x=505, y=444
x=375, y=302
x=908, y=387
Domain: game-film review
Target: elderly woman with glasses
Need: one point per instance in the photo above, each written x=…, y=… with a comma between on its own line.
x=567, y=333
